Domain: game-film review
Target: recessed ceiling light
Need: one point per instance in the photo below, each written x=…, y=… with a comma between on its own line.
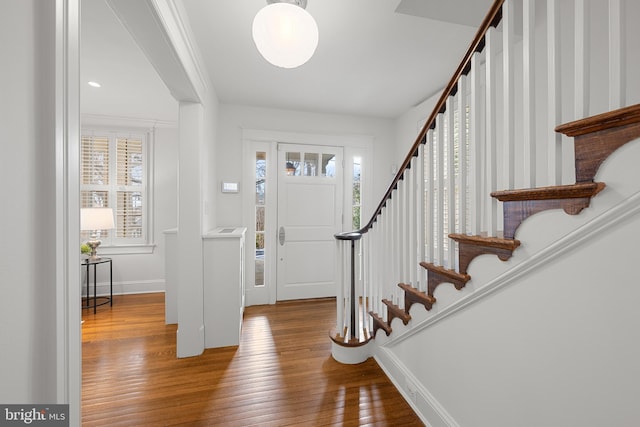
x=94, y=84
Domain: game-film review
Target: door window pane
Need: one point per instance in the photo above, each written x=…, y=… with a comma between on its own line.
x=329, y=165
x=292, y=165
x=261, y=177
x=311, y=164
x=261, y=186
x=356, y=193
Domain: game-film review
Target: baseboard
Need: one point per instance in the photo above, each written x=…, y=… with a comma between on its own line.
x=423, y=403
x=126, y=288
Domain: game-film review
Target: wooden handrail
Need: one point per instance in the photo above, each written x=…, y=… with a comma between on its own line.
x=492, y=19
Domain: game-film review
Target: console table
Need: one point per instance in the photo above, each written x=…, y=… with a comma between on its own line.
x=94, y=262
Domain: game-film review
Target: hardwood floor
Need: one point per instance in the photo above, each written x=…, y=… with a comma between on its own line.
x=282, y=374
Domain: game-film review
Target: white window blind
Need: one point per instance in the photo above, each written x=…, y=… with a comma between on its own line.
x=114, y=169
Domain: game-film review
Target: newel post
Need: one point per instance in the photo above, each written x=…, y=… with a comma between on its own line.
x=352, y=237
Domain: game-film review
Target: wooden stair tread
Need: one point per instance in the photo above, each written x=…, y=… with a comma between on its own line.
x=571, y=191
x=379, y=323
x=450, y=274
x=395, y=311
x=413, y=296
x=438, y=275
x=597, y=137
x=486, y=241
x=608, y=120
x=521, y=204
x=472, y=246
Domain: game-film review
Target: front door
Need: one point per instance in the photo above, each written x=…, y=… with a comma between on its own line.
x=309, y=214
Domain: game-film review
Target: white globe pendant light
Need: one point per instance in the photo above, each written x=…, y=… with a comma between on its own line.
x=285, y=34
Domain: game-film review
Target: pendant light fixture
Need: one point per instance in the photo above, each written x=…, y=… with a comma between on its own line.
x=285, y=34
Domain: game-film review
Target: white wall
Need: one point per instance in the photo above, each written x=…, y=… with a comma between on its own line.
x=232, y=119
x=27, y=226
x=410, y=124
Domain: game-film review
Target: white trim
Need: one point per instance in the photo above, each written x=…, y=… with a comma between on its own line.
x=171, y=14
x=354, y=144
x=124, y=287
x=147, y=136
x=256, y=295
x=157, y=28
x=302, y=138
x=67, y=222
x=589, y=230
x=127, y=249
x=124, y=123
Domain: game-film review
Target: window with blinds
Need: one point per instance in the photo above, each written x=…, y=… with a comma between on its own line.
x=114, y=174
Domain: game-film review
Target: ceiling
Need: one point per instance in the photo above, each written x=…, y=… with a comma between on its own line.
x=375, y=58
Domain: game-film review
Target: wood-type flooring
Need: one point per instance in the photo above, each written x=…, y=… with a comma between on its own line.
x=282, y=374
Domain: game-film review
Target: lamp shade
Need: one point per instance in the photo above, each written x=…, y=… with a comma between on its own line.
x=96, y=219
x=285, y=34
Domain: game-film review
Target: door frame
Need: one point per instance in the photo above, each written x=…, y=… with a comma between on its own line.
x=352, y=146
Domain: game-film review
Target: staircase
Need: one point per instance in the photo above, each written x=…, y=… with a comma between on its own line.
x=596, y=138
x=494, y=126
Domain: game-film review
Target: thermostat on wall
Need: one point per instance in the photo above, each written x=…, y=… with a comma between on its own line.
x=230, y=187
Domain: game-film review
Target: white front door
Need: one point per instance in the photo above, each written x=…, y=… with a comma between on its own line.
x=309, y=214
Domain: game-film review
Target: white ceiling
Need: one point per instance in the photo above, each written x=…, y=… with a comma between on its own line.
x=375, y=57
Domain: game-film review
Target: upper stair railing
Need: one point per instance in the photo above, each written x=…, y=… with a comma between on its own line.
x=529, y=68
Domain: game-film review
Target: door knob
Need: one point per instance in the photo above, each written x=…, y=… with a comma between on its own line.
x=281, y=236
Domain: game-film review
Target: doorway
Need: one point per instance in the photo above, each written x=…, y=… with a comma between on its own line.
x=287, y=174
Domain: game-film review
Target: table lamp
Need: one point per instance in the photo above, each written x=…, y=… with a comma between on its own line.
x=94, y=220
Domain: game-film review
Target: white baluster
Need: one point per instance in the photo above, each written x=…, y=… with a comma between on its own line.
x=405, y=210
x=508, y=107
x=616, y=59
x=582, y=65
x=360, y=293
x=346, y=294
x=430, y=207
x=379, y=265
x=554, y=152
x=491, y=211
x=463, y=155
x=340, y=303
x=370, y=271
x=439, y=147
x=450, y=184
x=476, y=144
x=401, y=243
x=412, y=221
x=367, y=285
x=397, y=234
x=420, y=214
x=387, y=241
x=529, y=93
